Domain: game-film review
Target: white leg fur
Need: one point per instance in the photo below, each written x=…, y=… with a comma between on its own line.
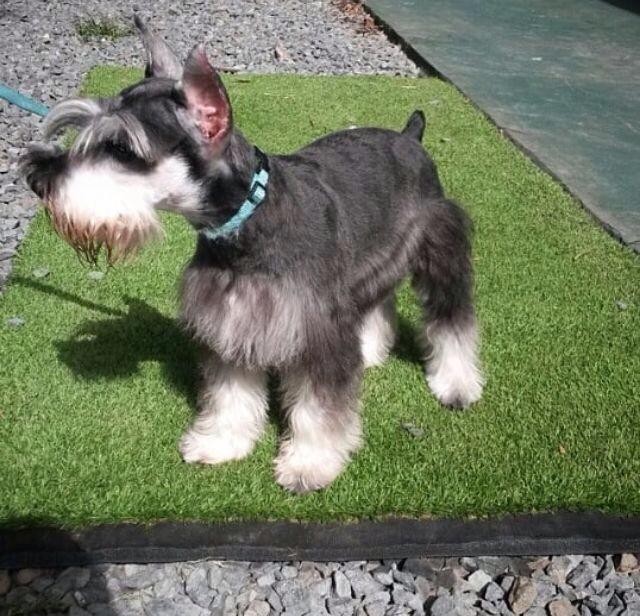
x=453, y=373
x=378, y=333
x=318, y=445
x=232, y=416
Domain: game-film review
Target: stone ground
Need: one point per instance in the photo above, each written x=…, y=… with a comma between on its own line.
x=557, y=586
x=44, y=57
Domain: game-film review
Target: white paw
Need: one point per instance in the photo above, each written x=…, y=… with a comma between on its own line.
x=196, y=447
x=456, y=389
x=452, y=370
x=306, y=468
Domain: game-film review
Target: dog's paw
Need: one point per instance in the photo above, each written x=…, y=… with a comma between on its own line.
x=456, y=393
x=196, y=447
x=306, y=468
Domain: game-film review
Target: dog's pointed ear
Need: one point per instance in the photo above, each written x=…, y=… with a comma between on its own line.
x=161, y=61
x=207, y=100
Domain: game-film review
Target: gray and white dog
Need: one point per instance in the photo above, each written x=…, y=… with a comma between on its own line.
x=304, y=286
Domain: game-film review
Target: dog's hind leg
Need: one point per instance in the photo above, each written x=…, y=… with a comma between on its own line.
x=232, y=414
x=378, y=332
x=321, y=402
x=443, y=280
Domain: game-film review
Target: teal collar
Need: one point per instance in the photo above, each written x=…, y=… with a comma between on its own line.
x=257, y=194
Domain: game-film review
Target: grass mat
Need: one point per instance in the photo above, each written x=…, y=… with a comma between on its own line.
x=98, y=383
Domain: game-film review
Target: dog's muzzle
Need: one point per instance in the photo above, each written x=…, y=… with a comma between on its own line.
x=120, y=237
x=99, y=207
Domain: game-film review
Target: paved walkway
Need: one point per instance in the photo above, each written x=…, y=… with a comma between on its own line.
x=562, y=78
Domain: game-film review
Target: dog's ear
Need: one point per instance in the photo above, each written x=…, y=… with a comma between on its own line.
x=207, y=101
x=161, y=61
x=40, y=167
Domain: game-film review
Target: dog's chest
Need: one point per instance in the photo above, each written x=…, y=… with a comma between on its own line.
x=252, y=320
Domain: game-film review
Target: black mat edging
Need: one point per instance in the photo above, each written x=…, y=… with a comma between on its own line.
x=430, y=70
x=559, y=533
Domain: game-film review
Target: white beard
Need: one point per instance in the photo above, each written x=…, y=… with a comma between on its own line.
x=103, y=203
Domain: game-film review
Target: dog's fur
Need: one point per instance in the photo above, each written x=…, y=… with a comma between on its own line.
x=306, y=287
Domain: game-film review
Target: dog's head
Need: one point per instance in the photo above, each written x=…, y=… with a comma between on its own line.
x=148, y=148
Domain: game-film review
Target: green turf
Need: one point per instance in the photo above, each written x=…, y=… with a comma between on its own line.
x=98, y=384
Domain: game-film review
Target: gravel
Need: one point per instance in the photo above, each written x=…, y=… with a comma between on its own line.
x=261, y=589
x=45, y=58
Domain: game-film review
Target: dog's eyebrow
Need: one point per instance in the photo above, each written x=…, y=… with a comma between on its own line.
x=120, y=126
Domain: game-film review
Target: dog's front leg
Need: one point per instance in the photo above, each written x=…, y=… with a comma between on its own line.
x=232, y=414
x=324, y=428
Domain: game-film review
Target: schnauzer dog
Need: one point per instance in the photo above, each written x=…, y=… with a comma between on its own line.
x=297, y=256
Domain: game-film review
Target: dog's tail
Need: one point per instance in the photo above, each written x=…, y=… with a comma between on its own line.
x=415, y=125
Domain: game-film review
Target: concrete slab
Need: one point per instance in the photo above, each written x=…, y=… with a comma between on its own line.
x=562, y=78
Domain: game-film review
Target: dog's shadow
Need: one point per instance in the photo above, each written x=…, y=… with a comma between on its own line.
x=116, y=347
x=407, y=348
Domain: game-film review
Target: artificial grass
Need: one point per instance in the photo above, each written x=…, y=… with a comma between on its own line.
x=98, y=384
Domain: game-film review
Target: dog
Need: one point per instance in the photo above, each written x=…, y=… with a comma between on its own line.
x=296, y=260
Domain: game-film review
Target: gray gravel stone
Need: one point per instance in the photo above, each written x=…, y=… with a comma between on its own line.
x=337, y=606
x=558, y=569
x=375, y=609
x=562, y=607
x=341, y=585
x=197, y=588
x=443, y=606
x=397, y=610
x=74, y=577
x=478, y=580
x=41, y=584
x=423, y=567
x=493, y=565
x=258, y=608
x=362, y=583
x=383, y=576
x=275, y=602
x=5, y=582
x=446, y=578
x=545, y=592
x=402, y=577
x=267, y=579
x=522, y=595
x=424, y=588
x=288, y=572
x=21, y=596
x=582, y=574
x=137, y=577
x=23, y=577
x=493, y=592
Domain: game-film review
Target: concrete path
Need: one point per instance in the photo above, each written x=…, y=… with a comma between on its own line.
x=561, y=78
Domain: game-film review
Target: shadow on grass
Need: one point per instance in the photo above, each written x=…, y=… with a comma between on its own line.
x=115, y=348
x=407, y=347
x=65, y=295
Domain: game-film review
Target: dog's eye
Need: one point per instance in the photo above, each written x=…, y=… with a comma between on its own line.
x=120, y=152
